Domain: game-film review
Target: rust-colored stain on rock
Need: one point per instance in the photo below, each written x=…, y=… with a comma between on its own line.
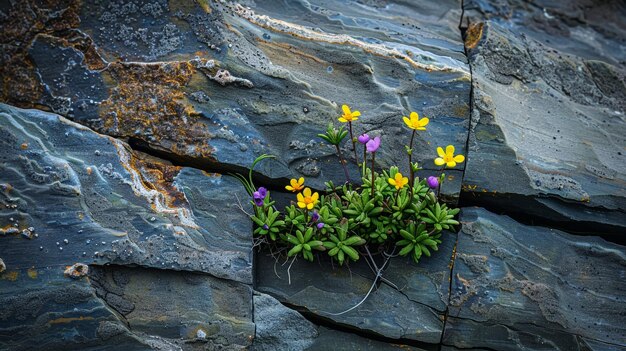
x=23, y=21
x=474, y=34
x=148, y=102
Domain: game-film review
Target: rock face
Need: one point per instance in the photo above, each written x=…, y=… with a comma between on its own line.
x=76, y=196
x=548, y=126
x=215, y=84
x=415, y=311
x=517, y=286
x=119, y=121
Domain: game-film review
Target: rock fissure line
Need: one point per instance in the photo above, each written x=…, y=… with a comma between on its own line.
x=325, y=322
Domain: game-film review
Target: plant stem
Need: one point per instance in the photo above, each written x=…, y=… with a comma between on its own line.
x=373, y=175
x=440, y=182
x=353, y=143
x=364, y=160
x=345, y=169
x=412, y=175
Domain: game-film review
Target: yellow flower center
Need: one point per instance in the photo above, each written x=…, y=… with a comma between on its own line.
x=308, y=200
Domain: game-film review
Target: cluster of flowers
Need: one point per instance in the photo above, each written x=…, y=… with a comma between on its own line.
x=387, y=209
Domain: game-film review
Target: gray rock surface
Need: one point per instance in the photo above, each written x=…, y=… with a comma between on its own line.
x=279, y=327
x=414, y=312
x=72, y=195
x=117, y=230
x=548, y=134
x=215, y=84
x=121, y=308
x=516, y=286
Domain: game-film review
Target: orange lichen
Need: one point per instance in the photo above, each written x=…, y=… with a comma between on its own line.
x=154, y=180
x=76, y=270
x=11, y=275
x=23, y=21
x=32, y=273
x=473, y=35
x=148, y=103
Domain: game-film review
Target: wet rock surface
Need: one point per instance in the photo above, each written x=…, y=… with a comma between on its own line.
x=71, y=195
x=414, y=311
x=516, y=286
x=548, y=127
x=217, y=84
x=118, y=229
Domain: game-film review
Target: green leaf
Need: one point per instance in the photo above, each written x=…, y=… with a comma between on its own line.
x=406, y=235
x=350, y=252
x=406, y=250
x=294, y=250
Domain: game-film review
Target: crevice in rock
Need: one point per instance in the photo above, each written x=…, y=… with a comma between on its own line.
x=330, y=324
x=447, y=311
x=519, y=211
x=519, y=328
x=206, y=164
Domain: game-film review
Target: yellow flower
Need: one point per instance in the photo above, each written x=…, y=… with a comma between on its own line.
x=448, y=157
x=399, y=182
x=415, y=122
x=348, y=116
x=296, y=185
x=306, y=200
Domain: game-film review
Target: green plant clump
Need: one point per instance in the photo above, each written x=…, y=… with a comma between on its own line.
x=400, y=214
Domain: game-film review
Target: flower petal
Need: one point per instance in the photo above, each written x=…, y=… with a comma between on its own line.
x=301, y=204
x=424, y=121
x=439, y=161
x=450, y=150
x=356, y=114
x=459, y=158
x=407, y=121
x=315, y=196
x=345, y=109
x=414, y=115
x=307, y=192
x=301, y=181
x=342, y=120
x=310, y=206
x=440, y=152
x=391, y=181
x=290, y=188
x=300, y=197
x=451, y=164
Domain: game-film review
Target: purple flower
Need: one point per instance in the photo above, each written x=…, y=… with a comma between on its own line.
x=433, y=182
x=315, y=216
x=266, y=227
x=320, y=225
x=373, y=144
x=363, y=138
x=259, y=196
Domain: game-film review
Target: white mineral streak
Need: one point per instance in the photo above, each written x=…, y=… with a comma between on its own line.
x=444, y=64
x=153, y=196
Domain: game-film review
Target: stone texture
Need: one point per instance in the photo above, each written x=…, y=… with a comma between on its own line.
x=179, y=307
x=119, y=308
x=590, y=29
x=71, y=195
x=281, y=328
x=516, y=286
x=414, y=312
x=546, y=136
x=215, y=84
